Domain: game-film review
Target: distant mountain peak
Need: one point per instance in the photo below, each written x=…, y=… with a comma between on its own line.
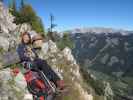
x=99, y=30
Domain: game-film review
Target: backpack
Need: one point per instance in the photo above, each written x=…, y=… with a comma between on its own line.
x=38, y=84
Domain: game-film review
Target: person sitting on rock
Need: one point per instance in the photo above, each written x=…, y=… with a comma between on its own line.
x=37, y=42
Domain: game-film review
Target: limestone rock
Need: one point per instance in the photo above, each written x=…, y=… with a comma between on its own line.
x=108, y=92
x=6, y=20
x=105, y=58
x=25, y=28
x=113, y=60
x=4, y=43
x=12, y=88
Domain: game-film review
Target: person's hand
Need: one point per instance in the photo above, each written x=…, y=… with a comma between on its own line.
x=60, y=84
x=29, y=49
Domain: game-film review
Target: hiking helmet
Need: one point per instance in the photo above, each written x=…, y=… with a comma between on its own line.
x=36, y=37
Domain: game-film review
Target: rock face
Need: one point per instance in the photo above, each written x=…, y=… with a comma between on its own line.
x=9, y=31
x=25, y=28
x=113, y=60
x=108, y=56
x=6, y=20
x=108, y=92
x=105, y=58
x=7, y=27
x=12, y=88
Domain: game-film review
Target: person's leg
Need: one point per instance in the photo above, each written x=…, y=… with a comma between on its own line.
x=50, y=74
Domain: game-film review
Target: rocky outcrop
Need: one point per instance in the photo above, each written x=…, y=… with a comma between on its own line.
x=108, y=92
x=113, y=60
x=7, y=28
x=6, y=20
x=24, y=28
x=12, y=88
x=104, y=59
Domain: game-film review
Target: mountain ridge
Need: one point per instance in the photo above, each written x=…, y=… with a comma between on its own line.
x=107, y=57
x=98, y=30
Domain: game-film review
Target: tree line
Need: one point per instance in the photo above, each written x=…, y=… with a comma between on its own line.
x=26, y=14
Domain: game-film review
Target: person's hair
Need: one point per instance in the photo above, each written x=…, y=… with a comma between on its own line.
x=22, y=36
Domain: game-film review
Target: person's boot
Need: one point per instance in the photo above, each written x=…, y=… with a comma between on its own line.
x=60, y=84
x=62, y=89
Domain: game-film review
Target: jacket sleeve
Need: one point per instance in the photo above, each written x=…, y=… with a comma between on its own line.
x=21, y=53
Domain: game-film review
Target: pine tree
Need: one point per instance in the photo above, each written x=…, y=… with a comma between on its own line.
x=38, y=25
x=28, y=15
x=22, y=4
x=14, y=5
x=10, y=4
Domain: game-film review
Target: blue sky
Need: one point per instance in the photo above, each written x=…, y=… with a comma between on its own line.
x=71, y=14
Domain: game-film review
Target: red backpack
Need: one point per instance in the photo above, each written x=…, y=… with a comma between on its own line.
x=38, y=84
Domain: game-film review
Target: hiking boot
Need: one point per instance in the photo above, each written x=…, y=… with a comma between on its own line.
x=60, y=84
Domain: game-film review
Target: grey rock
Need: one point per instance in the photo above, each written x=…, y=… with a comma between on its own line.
x=4, y=43
x=6, y=20
x=108, y=92
x=113, y=60
x=104, y=59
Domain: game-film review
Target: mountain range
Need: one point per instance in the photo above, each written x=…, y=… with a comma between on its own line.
x=107, y=54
